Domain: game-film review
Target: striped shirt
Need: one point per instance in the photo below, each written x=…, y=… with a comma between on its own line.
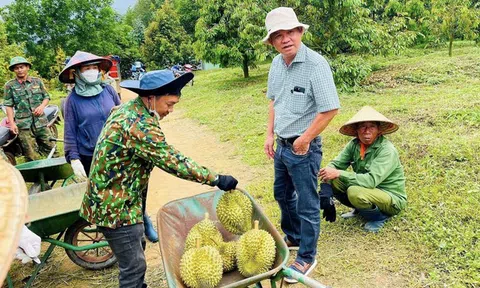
x=300, y=91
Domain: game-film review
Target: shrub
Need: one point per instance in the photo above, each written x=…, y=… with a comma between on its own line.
x=349, y=72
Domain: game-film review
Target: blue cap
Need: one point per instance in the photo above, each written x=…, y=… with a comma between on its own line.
x=158, y=82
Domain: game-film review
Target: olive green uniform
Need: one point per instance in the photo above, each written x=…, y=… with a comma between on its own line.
x=25, y=97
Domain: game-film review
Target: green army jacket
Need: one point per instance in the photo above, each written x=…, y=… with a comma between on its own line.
x=381, y=168
x=25, y=97
x=130, y=145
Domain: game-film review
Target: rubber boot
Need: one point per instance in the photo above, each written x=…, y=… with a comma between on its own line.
x=150, y=231
x=374, y=217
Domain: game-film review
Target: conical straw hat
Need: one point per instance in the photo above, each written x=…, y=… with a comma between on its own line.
x=368, y=114
x=13, y=207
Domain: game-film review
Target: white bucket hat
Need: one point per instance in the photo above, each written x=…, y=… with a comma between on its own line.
x=281, y=18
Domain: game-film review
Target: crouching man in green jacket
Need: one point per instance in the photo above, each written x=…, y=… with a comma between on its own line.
x=376, y=186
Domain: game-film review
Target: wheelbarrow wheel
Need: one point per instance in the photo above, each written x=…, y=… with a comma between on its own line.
x=82, y=233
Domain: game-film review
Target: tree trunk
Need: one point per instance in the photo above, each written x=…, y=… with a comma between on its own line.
x=245, y=66
x=450, y=46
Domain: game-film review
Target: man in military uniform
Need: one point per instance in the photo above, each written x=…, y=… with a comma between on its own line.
x=29, y=98
x=130, y=145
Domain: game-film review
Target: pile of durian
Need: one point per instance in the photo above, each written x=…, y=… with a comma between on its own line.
x=207, y=256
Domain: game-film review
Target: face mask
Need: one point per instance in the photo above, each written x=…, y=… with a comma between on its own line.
x=90, y=75
x=153, y=111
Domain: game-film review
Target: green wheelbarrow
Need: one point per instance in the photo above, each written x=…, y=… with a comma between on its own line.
x=54, y=213
x=45, y=173
x=177, y=217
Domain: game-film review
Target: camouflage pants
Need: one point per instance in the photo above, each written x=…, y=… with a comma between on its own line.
x=35, y=142
x=2, y=155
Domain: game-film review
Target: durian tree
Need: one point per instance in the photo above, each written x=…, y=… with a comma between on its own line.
x=229, y=33
x=166, y=42
x=456, y=19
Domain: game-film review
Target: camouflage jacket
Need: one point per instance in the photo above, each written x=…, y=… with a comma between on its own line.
x=130, y=145
x=25, y=97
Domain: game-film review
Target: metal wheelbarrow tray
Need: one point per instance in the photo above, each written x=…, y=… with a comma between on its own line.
x=176, y=218
x=55, y=212
x=48, y=169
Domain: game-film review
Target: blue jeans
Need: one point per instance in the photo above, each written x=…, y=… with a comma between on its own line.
x=295, y=189
x=127, y=243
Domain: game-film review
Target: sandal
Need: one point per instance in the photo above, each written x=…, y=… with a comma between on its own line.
x=302, y=268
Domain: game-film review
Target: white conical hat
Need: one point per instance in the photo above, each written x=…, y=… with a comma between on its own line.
x=368, y=114
x=13, y=208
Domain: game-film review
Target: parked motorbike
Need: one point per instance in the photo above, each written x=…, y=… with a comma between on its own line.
x=179, y=70
x=10, y=142
x=137, y=75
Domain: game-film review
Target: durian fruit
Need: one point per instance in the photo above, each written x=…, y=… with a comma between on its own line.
x=201, y=267
x=255, y=252
x=206, y=232
x=228, y=251
x=234, y=210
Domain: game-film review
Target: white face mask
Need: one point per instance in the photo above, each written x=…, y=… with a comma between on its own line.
x=90, y=75
x=153, y=111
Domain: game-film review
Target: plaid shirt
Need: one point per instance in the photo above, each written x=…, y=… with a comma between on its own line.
x=300, y=91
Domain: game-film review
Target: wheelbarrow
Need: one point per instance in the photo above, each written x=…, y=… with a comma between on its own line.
x=176, y=218
x=45, y=173
x=55, y=213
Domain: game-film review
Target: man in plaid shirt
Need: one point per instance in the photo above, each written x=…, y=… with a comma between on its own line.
x=303, y=102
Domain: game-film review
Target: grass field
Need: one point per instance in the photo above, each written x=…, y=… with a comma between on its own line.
x=435, y=100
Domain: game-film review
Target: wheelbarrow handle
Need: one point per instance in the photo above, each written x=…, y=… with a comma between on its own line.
x=307, y=281
x=55, y=139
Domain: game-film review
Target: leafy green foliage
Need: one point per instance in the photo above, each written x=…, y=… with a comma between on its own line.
x=55, y=70
x=47, y=25
x=349, y=72
x=228, y=32
x=351, y=27
x=189, y=12
x=7, y=51
x=166, y=42
x=456, y=19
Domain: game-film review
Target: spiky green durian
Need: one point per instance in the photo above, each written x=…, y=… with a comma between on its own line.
x=255, y=252
x=234, y=210
x=228, y=251
x=201, y=267
x=206, y=232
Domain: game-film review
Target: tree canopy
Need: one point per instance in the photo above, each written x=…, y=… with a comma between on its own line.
x=166, y=42
x=229, y=32
x=44, y=26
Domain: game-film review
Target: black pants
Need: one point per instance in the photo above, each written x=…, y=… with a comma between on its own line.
x=86, y=162
x=128, y=244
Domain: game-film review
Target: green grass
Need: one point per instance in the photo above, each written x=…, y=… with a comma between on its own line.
x=434, y=99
